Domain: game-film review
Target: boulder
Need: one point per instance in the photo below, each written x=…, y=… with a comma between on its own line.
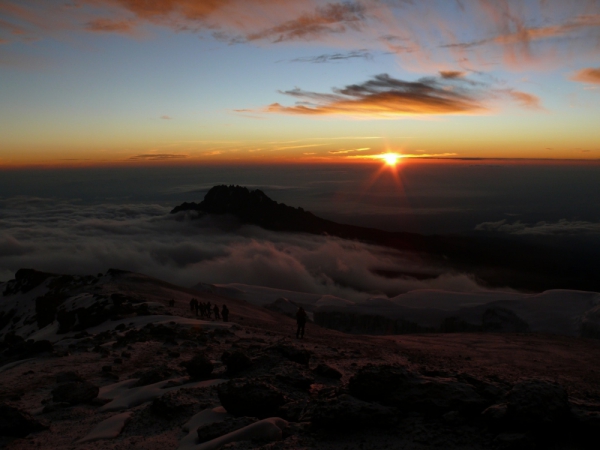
x=16, y=423
x=495, y=416
x=253, y=398
x=323, y=370
x=69, y=376
x=236, y=361
x=171, y=405
x=212, y=431
x=537, y=403
x=408, y=391
x=346, y=412
x=199, y=367
x=436, y=396
x=376, y=383
x=75, y=392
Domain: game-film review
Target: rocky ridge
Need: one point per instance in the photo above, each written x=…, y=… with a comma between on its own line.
x=185, y=383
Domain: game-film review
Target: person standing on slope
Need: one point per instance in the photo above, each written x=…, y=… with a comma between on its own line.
x=301, y=321
x=225, y=313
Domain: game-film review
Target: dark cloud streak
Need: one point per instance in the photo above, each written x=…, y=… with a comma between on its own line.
x=334, y=57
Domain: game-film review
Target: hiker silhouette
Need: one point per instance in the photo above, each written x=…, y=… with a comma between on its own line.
x=225, y=313
x=301, y=321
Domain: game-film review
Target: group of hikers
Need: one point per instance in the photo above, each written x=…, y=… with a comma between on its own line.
x=207, y=310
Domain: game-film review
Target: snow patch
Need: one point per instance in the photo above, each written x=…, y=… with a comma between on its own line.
x=124, y=397
x=107, y=429
x=270, y=429
x=204, y=417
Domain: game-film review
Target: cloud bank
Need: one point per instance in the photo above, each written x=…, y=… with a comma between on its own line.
x=68, y=237
x=561, y=227
x=384, y=96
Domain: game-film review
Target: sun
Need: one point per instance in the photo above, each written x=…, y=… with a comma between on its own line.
x=391, y=159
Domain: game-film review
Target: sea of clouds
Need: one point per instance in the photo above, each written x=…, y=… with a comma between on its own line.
x=65, y=236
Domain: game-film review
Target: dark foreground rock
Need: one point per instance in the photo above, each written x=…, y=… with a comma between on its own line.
x=293, y=353
x=199, y=367
x=75, y=392
x=537, y=403
x=69, y=376
x=346, y=412
x=253, y=398
x=16, y=423
x=326, y=371
x=411, y=392
x=236, y=361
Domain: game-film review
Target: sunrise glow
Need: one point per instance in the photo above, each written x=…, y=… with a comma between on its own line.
x=391, y=159
x=111, y=83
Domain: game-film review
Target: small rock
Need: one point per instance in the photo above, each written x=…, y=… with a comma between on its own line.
x=170, y=405
x=236, y=361
x=375, y=383
x=65, y=377
x=513, y=441
x=254, y=398
x=199, y=367
x=495, y=415
x=293, y=353
x=293, y=377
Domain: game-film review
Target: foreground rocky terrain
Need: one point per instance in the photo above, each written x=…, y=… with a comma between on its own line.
x=105, y=362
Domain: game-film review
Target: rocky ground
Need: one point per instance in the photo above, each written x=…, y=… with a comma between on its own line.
x=130, y=382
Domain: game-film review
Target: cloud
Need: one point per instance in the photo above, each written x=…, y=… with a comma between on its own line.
x=451, y=74
x=337, y=152
x=333, y=57
x=166, y=117
x=385, y=96
x=156, y=157
x=544, y=31
x=110, y=26
x=426, y=34
x=526, y=100
x=70, y=237
x=590, y=75
x=562, y=227
x=331, y=18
